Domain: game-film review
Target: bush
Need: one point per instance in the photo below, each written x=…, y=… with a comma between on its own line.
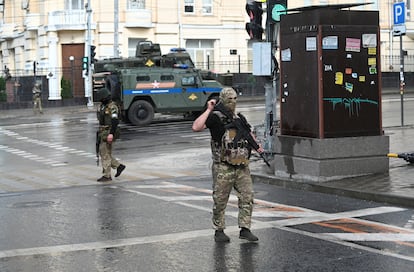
x=3, y=94
x=66, y=88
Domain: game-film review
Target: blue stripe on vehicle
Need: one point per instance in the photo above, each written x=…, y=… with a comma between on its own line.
x=170, y=91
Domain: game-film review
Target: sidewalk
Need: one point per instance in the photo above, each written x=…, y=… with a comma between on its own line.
x=396, y=187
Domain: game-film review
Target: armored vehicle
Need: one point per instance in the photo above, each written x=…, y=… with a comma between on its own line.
x=151, y=83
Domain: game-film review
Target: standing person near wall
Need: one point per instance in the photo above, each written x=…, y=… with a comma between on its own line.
x=230, y=164
x=37, y=101
x=107, y=134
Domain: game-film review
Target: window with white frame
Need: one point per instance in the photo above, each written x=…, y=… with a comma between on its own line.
x=136, y=4
x=207, y=7
x=201, y=52
x=74, y=4
x=189, y=6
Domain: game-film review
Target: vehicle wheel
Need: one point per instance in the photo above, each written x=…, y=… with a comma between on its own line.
x=141, y=113
x=112, y=83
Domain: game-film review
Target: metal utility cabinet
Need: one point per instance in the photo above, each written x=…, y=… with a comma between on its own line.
x=330, y=98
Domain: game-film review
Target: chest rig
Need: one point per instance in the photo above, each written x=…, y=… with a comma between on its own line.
x=105, y=115
x=228, y=150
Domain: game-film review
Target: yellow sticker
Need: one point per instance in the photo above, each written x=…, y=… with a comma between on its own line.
x=361, y=78
x=339, y=78
x=372, y=51
x=372, y=61
x=149, y=63
x=192, y=97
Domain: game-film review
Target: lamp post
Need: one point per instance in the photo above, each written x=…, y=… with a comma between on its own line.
x=71, y=59
x=208, y=61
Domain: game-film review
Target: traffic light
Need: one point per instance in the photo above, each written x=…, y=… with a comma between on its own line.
x=255, y=12
x=93, y=53
x=85, y=63
x=275, y=9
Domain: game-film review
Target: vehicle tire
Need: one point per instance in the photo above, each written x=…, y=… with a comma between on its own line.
x=112, y=83
x=141, y=113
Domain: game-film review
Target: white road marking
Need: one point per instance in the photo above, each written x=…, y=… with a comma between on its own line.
x=334, y=216
x=278, y=224
x=371, y=237
x=110, y=243
x=55, y=146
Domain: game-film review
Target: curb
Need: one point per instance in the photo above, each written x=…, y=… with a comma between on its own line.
x=324, y=188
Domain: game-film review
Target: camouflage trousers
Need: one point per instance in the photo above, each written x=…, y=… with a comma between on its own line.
x=107, y=161
x=225, y=178
x=37, y=105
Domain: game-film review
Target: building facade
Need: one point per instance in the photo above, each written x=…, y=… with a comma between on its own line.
x=47, y=38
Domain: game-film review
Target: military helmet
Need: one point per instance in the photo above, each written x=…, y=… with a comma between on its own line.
x=103, y=94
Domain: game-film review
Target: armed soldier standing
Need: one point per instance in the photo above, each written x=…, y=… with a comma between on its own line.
x=37, y=101
x=107, y=134
x=230, y=163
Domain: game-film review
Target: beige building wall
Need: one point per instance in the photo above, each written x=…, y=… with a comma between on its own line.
x=32, y=30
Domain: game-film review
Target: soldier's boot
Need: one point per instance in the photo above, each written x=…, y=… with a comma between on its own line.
x=220, y=236
x=248, y=235
x=104, y=179
x=119, y=170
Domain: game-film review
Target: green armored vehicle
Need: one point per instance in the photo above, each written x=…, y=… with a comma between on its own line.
x=151, y=83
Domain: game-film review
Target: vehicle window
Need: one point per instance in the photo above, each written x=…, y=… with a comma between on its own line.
x=143, y=78
x=167, y=77
x=186, y=81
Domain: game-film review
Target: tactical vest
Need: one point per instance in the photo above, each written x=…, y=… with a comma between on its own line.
x=228, y=151
x=105, y=115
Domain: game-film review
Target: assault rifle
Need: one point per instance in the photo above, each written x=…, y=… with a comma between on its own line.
x=98, y=141
x=409, y=157
x=243, y=129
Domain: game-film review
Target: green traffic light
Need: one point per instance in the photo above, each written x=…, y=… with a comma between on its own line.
x=278, y=10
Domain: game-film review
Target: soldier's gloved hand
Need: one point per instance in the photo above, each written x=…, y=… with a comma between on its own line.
x=260, y=150
x=110, y=138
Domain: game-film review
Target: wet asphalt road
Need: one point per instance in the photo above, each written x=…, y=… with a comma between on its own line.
x=164, y=225
x=157, y=215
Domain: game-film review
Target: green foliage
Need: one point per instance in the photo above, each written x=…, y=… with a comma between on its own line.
x=66, y=88
x=251, y=79
x=2, y=83
x=3, y=94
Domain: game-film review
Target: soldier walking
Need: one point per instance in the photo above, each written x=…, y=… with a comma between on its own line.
x=37, y=101
x=230, y=165
x=108, y=132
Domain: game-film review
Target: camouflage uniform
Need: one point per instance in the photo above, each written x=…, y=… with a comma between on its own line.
x=108, y=124
x=37, y=102
x=227, y=176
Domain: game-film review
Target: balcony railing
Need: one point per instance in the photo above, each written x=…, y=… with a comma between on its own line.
x=32, y=21
x=67, y=20
x=8, y=31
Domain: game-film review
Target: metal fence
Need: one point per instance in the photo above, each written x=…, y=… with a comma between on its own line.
x=392, y=63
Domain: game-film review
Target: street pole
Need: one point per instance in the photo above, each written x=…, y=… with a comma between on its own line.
x=402, y=81
x=270, y=88
x=71, y=59
x=88, y=85
x=116, y=34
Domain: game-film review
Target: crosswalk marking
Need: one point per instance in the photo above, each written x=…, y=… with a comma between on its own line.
x=373, y=237
x=53, y=176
